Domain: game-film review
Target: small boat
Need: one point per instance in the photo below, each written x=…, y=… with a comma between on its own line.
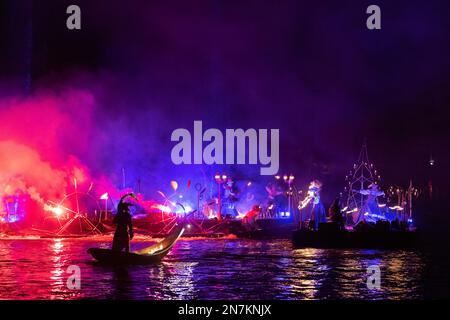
x=149, y=255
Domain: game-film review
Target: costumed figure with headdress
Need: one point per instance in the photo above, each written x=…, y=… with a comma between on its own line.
x=230, y=197
x=124, y=230
x=274, y=199
x=318, y=214
x=370, y=210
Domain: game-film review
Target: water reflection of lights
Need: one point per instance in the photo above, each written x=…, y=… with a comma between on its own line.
x=352, y=268
x=343, y=274
x=307, y=280
x=403, y=273
x=210, y=269
x=59, y=276
x=176, y=277
x=179, y=283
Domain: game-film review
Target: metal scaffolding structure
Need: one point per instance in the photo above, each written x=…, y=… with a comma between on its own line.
x=359, y=178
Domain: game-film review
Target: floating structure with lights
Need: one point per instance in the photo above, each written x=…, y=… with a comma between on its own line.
x=368, y=222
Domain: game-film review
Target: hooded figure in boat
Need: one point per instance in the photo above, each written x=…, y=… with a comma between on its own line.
x=124, y=231
x=318, y=214
x=370, y=210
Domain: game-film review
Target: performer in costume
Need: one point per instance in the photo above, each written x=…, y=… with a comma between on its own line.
x=274, y=199
x=230, y=197
x=124, y=230
x=371, y=204
x=318, y=214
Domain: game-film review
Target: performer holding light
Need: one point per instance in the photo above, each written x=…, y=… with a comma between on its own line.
x=318, y=214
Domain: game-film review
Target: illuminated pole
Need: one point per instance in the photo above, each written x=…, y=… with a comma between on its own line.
x=412, y=192
x=410, y=198
x=105, y=197
x=219, y=200
x=75, y=184
x=123, y=178
x=288, y=179
x=219, y=181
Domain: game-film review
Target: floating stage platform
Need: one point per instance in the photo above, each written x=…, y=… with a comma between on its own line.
x=375, y=239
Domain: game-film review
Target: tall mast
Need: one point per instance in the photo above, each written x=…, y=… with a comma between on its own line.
x=360, y=178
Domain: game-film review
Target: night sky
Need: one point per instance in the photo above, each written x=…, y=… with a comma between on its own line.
x=310, y=68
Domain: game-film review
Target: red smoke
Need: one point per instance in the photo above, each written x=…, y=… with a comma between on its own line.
x=41, y=139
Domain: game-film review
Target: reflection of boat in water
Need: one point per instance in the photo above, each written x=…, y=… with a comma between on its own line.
x=329, y=237
x=149, y=255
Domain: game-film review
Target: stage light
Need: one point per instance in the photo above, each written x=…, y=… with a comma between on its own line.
x=277, y=177
x=57, y=211
x=224, y=177
x=104, y=196
x=163, y=208
x=217, y=177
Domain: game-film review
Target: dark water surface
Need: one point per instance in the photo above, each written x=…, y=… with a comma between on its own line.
x=218, y=269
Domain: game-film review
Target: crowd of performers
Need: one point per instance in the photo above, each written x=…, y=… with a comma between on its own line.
x=366, y=217
x=238, y=199
x=278, y=199
x=311, y=211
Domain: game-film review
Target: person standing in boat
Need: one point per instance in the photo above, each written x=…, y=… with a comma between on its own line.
x=124, y=230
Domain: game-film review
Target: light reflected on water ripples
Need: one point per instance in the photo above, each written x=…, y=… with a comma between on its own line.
x=209, y=269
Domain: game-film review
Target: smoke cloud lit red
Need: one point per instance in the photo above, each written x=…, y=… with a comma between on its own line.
x=40, y=143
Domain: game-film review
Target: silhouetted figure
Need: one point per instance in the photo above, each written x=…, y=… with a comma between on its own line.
x=395, y=224
x=124, y=231
x=364, y=226
x=335, y=214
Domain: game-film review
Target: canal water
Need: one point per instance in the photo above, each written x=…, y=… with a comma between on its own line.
x=219, y=269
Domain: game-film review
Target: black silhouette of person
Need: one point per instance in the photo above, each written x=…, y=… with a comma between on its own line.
x=124, y=230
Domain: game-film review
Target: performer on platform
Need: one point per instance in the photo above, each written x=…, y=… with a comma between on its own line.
x=230, y=197
x=318, y=214
x=336, y=215
x=250, y=217
x=274, y=199
x=371, y=205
